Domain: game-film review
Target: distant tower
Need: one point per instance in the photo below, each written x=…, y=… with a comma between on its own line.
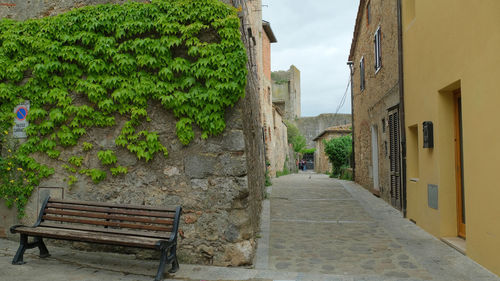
x=286, y=91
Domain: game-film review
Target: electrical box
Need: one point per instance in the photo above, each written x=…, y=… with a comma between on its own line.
x=428, y=134
x=432, y=196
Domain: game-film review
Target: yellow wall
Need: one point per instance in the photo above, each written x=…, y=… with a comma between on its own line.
x=450, y=44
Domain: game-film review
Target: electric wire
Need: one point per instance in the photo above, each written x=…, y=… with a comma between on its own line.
x=344, y=97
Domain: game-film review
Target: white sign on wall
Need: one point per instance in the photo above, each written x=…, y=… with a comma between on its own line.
x=20, y=122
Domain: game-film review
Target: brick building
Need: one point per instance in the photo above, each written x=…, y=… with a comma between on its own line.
x=376, y=99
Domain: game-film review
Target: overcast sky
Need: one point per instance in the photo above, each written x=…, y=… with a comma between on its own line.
x=315, y=36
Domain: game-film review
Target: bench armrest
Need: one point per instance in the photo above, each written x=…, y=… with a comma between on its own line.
x=175, y=228
x=42, y=211
x=39, y=220
x=13, y=228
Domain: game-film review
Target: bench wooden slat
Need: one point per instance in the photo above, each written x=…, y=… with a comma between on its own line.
x=85, y=236
x=111, y=210
x=159, y=235
x=113, y=205
x=110, y=217
x=106, y=223
x=95, y=222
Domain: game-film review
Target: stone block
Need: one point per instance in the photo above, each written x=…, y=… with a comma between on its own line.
x=171, y=171
x=200, y=166
x=240, y=253
x=232, y=165
x=199, y=184
x=233, y=141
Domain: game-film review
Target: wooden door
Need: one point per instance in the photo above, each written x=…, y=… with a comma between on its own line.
x=459, y=169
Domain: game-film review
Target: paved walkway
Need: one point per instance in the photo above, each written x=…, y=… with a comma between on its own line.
x=332, y=227
x=313, y=228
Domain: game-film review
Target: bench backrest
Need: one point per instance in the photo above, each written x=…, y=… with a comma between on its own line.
x=145, y=221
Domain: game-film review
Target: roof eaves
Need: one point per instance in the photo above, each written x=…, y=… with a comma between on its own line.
x=359, y=17
x=269, y=32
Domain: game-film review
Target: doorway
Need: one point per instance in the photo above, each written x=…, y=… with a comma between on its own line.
x=459, y=168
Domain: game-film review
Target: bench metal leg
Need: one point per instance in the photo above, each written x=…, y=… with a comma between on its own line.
x=18, y=258
x=161, y=268
x=173, y=258
x=175, y=266
x=44, y=253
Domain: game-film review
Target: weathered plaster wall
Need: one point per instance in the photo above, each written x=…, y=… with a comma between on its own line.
x=311, y=127
x=280, y=143
x=273, y=127
x=218, y=181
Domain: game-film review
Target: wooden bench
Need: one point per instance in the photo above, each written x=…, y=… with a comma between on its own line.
x=112, y=224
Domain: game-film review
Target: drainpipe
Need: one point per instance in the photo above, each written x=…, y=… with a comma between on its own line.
x=353, y=160
x=401, y=107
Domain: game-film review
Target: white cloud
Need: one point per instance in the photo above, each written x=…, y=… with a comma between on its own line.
x=315, y=36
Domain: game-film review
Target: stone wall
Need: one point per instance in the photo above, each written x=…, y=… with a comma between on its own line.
x=311, y=127
x=219, y=182
x=24, y=9
x=381, y=93
x=280, y=143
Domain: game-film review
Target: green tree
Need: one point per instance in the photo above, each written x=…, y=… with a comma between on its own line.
x=295, y=137
x=339, y=151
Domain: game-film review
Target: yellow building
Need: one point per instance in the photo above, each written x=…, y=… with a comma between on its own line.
x=451, y=54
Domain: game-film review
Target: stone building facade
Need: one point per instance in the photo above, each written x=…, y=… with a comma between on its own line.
x=272, y=117
x=218, y=181
x=376, y=99
x=278, y=147
x=286, y=91
x=321, y=162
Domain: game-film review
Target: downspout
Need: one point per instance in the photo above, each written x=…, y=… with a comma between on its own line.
x=353, y=159
x=401, y=106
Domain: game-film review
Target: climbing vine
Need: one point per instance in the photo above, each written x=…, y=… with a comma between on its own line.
x=84, y=68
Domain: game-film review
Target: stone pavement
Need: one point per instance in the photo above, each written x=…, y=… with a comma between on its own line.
x=333, y=227
x=313, y=228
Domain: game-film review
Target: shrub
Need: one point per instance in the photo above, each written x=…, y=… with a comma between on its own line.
x=308, y=150
x=295, y=137
x=338, y=151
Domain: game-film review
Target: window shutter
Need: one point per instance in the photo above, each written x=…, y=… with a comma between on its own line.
x=379, y=47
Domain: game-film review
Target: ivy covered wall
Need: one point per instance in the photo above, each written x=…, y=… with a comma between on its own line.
x=135, y=103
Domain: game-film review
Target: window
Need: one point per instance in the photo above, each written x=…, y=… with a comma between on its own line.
x=378, y=50
x=362, y=74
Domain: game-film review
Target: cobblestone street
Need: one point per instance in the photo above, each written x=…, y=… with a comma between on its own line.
x=327, y=226
x=313, y=228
